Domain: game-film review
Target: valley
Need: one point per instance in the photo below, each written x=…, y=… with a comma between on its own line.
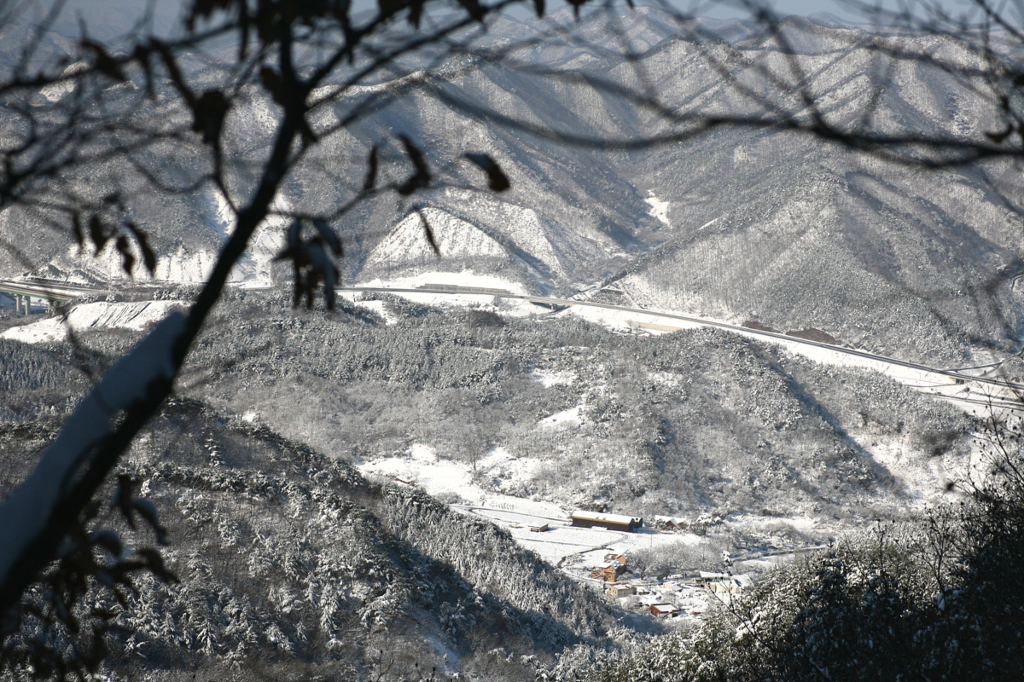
x=498, y=286
x=514, y=468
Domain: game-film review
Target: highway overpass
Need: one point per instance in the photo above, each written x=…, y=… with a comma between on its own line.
x=24, y=290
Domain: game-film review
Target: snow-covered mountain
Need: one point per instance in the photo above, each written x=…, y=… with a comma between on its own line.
x=745, y=224
x=292, y=470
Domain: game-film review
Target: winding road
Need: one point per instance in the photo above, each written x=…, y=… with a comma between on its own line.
x=942, y=382
x=949, y=377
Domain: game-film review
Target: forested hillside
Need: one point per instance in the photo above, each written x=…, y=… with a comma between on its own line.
x=690, y=422
x=293, y=566
x=687, y=422
x=267, y=443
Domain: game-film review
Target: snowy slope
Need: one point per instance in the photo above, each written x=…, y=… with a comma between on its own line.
x=93, y=317
x=408, y=244
x=491, y=237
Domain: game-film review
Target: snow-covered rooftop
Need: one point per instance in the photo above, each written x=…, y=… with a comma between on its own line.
x=608, y=518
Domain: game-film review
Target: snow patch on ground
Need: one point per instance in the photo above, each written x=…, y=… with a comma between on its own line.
x=135, y=316
x=666, y=378
x=508, y=473
x=924, y=479
x=55, y=92
x=509, y=307
x=327, y=92
x=548, y=377
x=630, y=321
x=466, y=278
x=659, y=208
x=570, y=417
x=423, y=454
x=422, y=467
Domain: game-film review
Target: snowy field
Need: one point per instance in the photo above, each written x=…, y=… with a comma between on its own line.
x=466, y=278
x=561, y=545
x=513, y=307
x=658, y=208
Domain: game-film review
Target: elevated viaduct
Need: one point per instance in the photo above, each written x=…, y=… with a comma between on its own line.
x=24, y=290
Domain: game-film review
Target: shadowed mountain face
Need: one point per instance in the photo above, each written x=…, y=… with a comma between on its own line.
x=737, y=223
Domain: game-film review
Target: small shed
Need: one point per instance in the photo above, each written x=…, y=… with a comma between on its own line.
x=664, y=610
x=621, y=590
x=589, y=519
x=539, y=529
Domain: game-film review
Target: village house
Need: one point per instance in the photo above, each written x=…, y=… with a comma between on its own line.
x=671, y=523
x=664, y=610
x=621, y=590
x=610, y=573
x=723, y=582
x=588, y=519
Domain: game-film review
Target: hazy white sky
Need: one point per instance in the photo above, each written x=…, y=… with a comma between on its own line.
x=110, y=17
